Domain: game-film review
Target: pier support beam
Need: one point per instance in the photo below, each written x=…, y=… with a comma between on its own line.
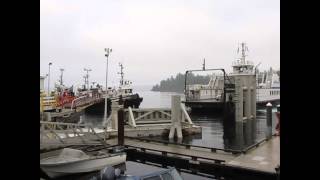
x=175, y=117
x=120, y=127
x=47, y=116
x=253, y=102
x=269, y=121
x=248, y=108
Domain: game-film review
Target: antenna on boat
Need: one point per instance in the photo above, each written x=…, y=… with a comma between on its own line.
x=204, y=64
x=121, y=73
x=86, y=77
x=244, y=48
x=61, y=76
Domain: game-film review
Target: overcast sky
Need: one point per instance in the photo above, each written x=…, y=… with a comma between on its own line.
x=154, y=39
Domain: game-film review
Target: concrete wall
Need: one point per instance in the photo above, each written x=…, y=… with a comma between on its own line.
x=245, y=93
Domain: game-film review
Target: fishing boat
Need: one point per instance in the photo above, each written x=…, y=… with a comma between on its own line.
x=72, y=161
x=124, y=90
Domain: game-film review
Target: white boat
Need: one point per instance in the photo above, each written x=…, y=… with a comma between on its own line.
x=199, y=96
x=268, y=87
x=73, y=161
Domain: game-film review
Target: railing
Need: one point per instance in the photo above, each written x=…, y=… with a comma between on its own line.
x=240, y=63
x=137, y=117
x=47, y=103
x=140, y=117
x=84, y=100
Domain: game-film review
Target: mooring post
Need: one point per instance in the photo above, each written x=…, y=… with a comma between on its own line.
x=48, y=116
x=175, y=117
x=114, y=115
x=269, y=121
x=120, y=127
x=120, y=123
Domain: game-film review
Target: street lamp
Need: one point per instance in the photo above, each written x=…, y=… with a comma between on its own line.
x=108, y=51
x=49, y=79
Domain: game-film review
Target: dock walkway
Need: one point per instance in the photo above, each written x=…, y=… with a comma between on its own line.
x=265, y=157
x=170, y=148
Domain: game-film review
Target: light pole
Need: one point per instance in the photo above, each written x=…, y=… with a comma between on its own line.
x=87, y=75
x=108, y=51
x=49, y=79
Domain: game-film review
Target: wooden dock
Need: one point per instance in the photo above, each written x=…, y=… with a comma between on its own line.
x=265, y=157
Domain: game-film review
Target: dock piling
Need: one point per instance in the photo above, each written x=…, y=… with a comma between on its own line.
x=269, y=121
x=175, y=117
x=120, y=127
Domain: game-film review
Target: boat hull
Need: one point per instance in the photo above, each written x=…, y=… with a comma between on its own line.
x=203, y=106
x=133, y=101
x=84, y=166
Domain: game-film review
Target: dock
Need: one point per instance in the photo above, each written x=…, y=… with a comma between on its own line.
x=130, y=128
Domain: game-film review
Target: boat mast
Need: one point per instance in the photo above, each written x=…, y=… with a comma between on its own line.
x=121, y=73
x=244, y=48
x=86, y=78
x=61, y=76
x=204, y=64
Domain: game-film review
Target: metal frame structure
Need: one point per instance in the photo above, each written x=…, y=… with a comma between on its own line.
x=197, y=70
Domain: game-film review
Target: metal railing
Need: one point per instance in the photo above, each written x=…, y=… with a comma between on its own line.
x=137, y=117
x=47, y=103
x=84, y=100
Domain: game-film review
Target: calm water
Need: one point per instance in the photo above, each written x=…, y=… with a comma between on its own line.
x=215, y=133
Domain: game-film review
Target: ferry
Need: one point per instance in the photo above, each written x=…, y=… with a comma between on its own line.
x=211, y=96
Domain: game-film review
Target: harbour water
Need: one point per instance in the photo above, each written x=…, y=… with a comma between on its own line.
x=215, y=133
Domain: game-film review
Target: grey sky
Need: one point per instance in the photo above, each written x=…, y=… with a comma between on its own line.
x=154, y=38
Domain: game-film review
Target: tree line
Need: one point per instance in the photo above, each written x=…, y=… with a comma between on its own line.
x=176, y=84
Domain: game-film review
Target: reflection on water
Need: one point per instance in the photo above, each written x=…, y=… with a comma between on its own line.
x=216, y=132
